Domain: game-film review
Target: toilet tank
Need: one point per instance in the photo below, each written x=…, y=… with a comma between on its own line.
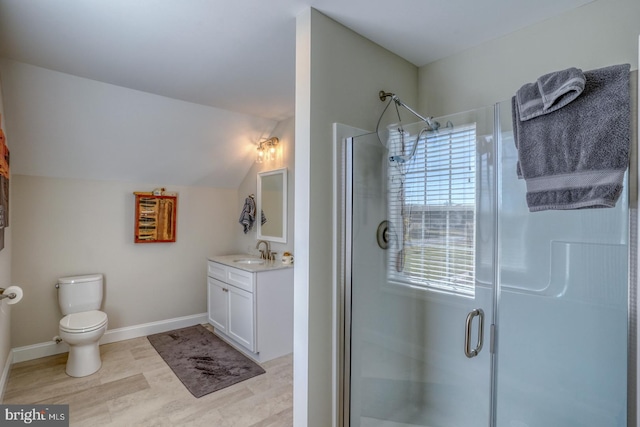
x=80, y=293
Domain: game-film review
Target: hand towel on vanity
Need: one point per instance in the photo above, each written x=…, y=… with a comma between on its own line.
x=576, y=156
x=248, y=214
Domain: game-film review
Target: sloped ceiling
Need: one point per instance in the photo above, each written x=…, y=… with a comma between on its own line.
x=236, y=56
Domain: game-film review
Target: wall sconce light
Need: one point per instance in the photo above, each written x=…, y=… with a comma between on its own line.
x=267, y=149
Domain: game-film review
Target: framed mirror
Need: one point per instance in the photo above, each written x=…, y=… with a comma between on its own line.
x=272, y=201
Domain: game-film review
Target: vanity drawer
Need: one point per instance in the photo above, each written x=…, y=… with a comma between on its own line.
x=240, y=278
x=233, y=276
x=217, y=271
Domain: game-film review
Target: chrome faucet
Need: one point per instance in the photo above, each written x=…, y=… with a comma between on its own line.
x=266, y=253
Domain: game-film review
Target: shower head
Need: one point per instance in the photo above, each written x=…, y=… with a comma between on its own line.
x=398, y=159
x=404, y=159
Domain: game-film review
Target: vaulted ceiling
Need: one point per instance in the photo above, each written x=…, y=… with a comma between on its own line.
x=238, y=55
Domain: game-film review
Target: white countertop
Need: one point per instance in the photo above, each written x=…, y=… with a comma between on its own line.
x=253, y=268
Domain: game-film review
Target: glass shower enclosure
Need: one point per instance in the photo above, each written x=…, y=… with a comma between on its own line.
x=464, y=309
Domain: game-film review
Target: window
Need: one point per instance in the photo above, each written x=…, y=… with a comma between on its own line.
x=432, y=210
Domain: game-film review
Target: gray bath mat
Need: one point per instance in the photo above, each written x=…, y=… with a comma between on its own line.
x=202, y=361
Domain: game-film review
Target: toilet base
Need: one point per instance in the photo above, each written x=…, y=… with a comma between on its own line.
x=83, y=360
x=84, y=351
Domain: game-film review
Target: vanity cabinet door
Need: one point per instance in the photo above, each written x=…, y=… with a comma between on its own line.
x=218, y=303
x=241, y=318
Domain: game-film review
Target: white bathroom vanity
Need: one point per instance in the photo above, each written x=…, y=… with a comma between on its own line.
x=250, y=304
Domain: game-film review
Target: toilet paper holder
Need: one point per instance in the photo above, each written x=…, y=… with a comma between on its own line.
x=3, y=295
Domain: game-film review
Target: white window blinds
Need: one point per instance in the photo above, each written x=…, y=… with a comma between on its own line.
x=432, y=211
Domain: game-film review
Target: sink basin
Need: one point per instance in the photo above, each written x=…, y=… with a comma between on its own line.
x=249, y=261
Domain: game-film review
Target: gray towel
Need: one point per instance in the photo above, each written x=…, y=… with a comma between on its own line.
x=576, y=157
x=248, y=214
x=549, y=93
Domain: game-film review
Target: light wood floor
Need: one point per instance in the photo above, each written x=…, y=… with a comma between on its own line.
x=135, y=387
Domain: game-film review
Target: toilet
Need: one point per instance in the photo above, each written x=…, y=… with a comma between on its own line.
x=80, y=298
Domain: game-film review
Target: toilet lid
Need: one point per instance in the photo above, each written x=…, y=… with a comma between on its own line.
x=84, y=321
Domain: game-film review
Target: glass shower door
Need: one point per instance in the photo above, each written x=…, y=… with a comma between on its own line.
x=420, y=343
x=562, y=326
x=552, y=287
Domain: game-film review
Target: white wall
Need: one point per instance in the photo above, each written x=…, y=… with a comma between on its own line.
x=338, y=77
x=66, y=227
x=5, y=277
x=72, y=203
x=601, y=33
x=70, y=127
x=246, y=243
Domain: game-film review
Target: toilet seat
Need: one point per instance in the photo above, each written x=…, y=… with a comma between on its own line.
x=85, y=321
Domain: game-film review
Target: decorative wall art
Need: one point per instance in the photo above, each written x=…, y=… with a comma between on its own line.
x=4, y=184
x=155, y=220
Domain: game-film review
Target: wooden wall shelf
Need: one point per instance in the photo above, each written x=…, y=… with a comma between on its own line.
x=155, y=220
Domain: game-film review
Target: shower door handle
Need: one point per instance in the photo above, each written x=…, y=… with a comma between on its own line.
x=477, y=312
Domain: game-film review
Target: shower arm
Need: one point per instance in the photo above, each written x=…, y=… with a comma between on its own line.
x=428, y=120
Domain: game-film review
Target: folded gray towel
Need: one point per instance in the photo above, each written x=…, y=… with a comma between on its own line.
x=577, y=156
x=549, y=93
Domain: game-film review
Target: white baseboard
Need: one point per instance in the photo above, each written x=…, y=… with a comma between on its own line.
x=35, y=351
